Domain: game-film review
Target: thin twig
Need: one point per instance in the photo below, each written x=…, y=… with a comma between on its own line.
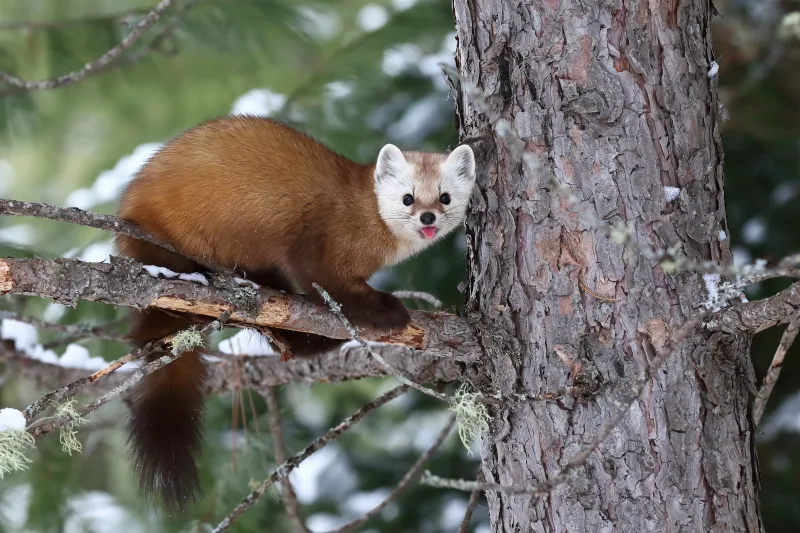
x=279, y=447
x=538, y=489
x=70, y=390
x=774, y=370
x=412, y=474
x=474, y=498
x=37, y=430
x=98, y=64
x=337, y=310
x=284, y=470
x=78, y=216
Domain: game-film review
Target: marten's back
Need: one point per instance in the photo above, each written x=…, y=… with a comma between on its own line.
x=240, y=188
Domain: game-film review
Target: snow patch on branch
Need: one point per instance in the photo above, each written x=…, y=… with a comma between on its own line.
x=246, y=342
x=11, y=419
x=157, y=271
x=26, y=341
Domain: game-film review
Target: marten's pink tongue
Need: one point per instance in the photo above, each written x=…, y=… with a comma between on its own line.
x=429, y=232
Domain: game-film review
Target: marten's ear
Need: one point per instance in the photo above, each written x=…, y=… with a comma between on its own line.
x=460, y=164
x=391, y=163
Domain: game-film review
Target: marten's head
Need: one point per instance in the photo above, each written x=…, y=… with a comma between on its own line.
x=423, y=196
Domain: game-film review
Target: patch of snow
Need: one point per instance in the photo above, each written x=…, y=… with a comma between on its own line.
x=110, y=183
x=671, y=193
x=372, y=17
x=75, y=355
x=26, y=341
x=259, y=102
x=246, y=342
x=11, y=419
x=754, y=231
x=157, y=271
x=23, y=334
x=195, y=276
x=305, y=478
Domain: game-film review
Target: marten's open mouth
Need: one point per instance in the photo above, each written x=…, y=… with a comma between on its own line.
x=429, y=232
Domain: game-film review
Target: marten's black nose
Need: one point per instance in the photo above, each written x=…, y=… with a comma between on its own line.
x=427, y=218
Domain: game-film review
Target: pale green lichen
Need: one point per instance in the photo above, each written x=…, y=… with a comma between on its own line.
x=471, y=415
x=186, y=340
x=68, y=433
x=13, y=444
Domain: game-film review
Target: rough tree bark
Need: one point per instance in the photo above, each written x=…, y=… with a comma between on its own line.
x=614, y=98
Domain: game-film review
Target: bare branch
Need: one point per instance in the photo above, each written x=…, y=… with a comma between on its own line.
x=123, y=282
x=259, y=372
x=474, y=498
x=284, y=470
x=98, y=64
x=774, y=371
x=279, y=446
x=74, y=215
x=412, y=473
x=630, y=396
x=759, y=315
x=38, y=430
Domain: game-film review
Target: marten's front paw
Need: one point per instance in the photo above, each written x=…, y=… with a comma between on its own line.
x=386, y=313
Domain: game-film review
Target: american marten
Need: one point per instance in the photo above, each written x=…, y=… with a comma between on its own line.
x=258, y=197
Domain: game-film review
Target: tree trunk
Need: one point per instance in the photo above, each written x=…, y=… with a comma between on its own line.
x=615, y=99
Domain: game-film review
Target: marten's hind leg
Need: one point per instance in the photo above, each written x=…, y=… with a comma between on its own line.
x=361, y=304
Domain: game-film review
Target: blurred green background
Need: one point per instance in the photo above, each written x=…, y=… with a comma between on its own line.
x=355, y=74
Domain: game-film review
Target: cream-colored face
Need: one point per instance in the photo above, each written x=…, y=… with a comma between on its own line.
x=423, y=196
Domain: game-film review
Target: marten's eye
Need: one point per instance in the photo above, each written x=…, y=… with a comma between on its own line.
x=445, y=198
x=408, y=199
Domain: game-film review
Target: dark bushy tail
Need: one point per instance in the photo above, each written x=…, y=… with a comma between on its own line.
x=165, y=427
x=166, y=407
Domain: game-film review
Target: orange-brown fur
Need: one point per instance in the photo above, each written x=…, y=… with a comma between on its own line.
x=253, y=195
